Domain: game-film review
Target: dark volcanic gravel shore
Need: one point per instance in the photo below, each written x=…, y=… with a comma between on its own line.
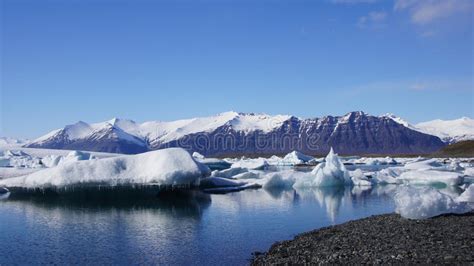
x=381, y=239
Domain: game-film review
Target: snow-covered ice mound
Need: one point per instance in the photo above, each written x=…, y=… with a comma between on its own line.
x=332, y=172
x=173, y=166
x=426, y=202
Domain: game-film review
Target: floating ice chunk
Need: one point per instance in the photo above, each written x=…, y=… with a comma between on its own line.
x=455, y=166
x=332, y=172
x=388, y=176
x=359, y=179
x=197, y=155
x=246, y=175
x=423, y=165
x=215, y=182
x=251, y=164
x=19, y=159
x=279, y=180
x=469, y=171
x=173, y=166
x=296, y=157
x=214, y=164
x=431, y=177
x=229, y=173
x=467, y=195
x=421, y=203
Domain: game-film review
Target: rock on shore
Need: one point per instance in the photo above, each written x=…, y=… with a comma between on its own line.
x=379, y=240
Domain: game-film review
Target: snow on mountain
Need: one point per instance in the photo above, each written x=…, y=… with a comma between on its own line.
x=399, y=120
x=160, y=132
x=449, y=130
x=355, y=132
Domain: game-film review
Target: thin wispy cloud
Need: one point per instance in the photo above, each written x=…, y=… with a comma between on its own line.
x=428, y=11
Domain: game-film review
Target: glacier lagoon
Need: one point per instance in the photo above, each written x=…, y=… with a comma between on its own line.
x=178, y=227
x=114, y=210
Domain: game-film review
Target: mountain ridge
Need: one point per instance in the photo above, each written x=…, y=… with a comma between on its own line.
x=244, y=133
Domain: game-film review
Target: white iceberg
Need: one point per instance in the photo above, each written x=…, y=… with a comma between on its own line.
x=197, y=155
x=229, y=173
x=388, y=176
x=359, y=179
x=426, y=202
x=173, y=166
x=296, y=157
x=467, y=195
x=251, y=164
x=430, y=164
x=212, y=163
x=247, y=175
x=19, y=159
x=215, y=182
x=332, y=172
x=431, y=177
x=279, y=180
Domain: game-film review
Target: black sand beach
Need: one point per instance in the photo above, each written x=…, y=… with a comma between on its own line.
x=380, y=239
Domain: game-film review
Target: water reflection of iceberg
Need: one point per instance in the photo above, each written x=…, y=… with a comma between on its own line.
x=180, y=202
x=328, y=197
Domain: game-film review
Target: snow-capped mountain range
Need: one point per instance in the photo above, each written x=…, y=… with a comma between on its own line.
x=241, y=133
x=449, y=131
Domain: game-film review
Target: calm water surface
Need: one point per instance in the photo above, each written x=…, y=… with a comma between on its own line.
x=176, y=228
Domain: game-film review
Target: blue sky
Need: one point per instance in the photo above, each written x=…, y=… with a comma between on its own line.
x=69, y=60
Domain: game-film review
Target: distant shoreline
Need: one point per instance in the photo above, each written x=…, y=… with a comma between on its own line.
x=380, y=239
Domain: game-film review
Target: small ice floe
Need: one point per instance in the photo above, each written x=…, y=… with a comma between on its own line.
x=251, y=164
x=247, y=175
x=388, y=176
x=376, y=161
x=168, y=167
x=216, y=182
x=212, y=163
x=467, y=195
x=332, y=172
x=359, y=179
x=296, y=158
x=225, y=185
x=281, y=180
x=426, y=202
x=430, y=164
x=431, y=177
x=197, y=155
x=19, y=159
x=229, y=173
